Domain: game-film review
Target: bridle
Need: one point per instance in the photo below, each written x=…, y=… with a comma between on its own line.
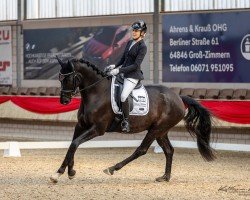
x=76, y=77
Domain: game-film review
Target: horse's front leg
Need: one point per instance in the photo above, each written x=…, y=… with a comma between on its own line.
x=71, y=172
x=69, y=159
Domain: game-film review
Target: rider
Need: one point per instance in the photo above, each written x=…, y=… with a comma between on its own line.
x=130, y=66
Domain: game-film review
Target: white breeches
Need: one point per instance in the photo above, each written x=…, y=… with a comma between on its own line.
x=128, y=86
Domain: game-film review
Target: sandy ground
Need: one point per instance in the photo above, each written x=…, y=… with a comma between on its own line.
x=192, y=178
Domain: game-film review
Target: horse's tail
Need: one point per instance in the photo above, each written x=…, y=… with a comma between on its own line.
x=198, y=123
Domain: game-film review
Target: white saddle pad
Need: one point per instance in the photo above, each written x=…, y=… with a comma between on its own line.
x=141, y=106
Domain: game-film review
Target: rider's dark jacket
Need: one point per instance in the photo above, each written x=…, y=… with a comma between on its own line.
x=132, y=59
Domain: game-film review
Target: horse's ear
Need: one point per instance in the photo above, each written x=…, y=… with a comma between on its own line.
x=70, y=64
x=59, y=60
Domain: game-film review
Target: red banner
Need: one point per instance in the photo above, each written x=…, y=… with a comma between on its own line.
x=42, y=105
x=230, y=111
x=4, y=99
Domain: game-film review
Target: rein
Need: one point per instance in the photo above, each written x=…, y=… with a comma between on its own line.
x=90, y=86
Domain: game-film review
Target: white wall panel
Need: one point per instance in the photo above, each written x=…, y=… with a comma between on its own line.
x=73, y=8
x=174, y=5
x=240, y=3
x=47, y=8
x=105, y=4
x=189, y=5
x=3, y=9
x=122, y=7
x=88, y=6
x=76, y=8
x=243, y=3
x=8, y=10
x=32, y=9
x=11, y=9
x=64, y=8
x=167, y=5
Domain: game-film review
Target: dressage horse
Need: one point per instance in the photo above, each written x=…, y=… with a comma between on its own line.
x=96, y=117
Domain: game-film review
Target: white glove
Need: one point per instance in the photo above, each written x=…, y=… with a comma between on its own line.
x=113, y=72
x=109, y=68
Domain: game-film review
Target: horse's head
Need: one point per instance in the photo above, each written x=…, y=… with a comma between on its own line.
x=69, y=79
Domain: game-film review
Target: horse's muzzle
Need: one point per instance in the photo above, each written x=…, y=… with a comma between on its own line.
x=64, y=99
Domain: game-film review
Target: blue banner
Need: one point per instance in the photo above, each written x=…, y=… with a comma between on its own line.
x=206, y=47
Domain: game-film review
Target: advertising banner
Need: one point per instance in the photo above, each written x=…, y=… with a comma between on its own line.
x=5, y=55
x=99, y=45
x=206, y=47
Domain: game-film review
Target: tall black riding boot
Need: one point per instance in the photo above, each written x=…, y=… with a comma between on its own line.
x=125, y=112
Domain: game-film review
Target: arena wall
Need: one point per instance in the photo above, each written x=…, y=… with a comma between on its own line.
x=24, y=129
x=34, y=130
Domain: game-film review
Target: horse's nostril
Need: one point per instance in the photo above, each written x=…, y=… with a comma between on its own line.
x=66, y=101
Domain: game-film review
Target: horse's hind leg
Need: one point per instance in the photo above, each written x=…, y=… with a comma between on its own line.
x=141, y=150
x=168, y=151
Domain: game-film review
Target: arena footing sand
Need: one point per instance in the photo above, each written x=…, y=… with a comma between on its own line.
x=228, y=177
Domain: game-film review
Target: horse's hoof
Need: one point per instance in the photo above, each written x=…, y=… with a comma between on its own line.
x=72, y=174
x=55, y=177
x=53, y=180
x=71, y=177
x=108, y=171
x=163, y=178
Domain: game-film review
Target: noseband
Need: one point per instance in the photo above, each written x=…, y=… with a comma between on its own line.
x=76, y=77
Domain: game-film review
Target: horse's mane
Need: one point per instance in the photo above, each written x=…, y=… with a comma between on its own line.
x=91, y=65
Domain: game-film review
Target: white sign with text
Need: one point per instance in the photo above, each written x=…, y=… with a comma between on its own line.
x=5, y=56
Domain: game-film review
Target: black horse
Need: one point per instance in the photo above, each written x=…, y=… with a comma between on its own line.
x=95, y=116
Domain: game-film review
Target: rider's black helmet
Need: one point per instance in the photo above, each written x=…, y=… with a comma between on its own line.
x=139, y=25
